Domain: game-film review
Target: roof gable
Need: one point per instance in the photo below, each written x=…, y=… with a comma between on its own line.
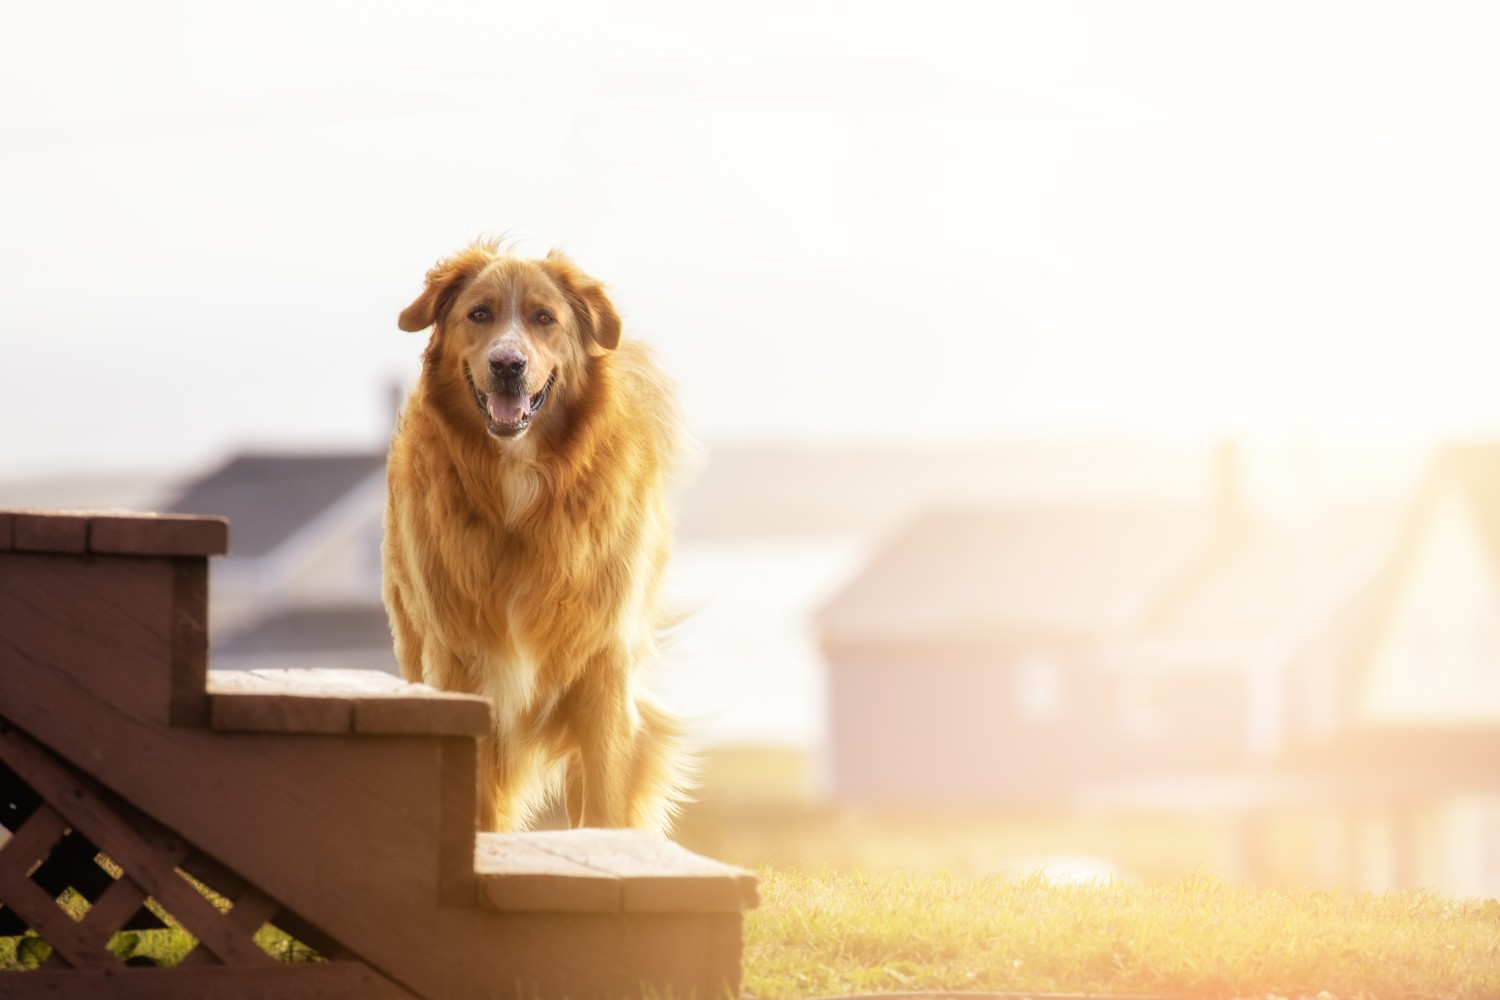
x=1437, y=658
x=1462, y=484
x=1270, y=577
x=269, y=497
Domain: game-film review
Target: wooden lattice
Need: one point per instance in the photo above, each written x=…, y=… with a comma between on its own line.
x=80, y=866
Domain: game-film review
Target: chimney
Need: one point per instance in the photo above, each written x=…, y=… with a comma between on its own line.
x=396, y=395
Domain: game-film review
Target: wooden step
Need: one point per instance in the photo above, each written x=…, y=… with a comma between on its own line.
x=327, y=701
x=346, y=797
x=112, y=532
x=605, y=871
x=610, y=913
x=114, y=603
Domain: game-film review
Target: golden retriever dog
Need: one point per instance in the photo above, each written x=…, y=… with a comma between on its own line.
x=526, y=535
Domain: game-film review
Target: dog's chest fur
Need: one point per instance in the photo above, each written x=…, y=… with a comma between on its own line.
x=523, y=586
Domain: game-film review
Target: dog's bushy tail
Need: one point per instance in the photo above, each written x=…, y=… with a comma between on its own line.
x=664, y=768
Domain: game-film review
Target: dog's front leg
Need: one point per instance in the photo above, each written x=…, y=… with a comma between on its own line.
x=573, y=790
x=600, y=710
x=406, y=638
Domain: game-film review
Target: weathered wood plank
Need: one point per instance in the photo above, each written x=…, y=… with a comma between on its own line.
x=122, y=900
x=606, y=956
x=241, y=701
x=656, y=875
x=339, y=701
x=158, y=535
x=188, y=669
x=516, y=874
x=278, y=713
x=49, y=531
x=457, y=804
x=303, y=981
x=103, y=620
x=28, y=845
x=251, y=910
x=112, y=532
x=335, y=682
x=445, y=715
x=387, y=705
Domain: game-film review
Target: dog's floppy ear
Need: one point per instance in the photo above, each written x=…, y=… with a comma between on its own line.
x=443, y=282
x=596, y=314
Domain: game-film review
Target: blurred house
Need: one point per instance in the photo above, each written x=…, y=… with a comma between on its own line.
x=301, y=583
x=1149, y=656
x=964, y=662
x=1394, y=713
x=764, y=536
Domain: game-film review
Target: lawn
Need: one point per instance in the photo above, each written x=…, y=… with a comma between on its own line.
x=819, y=934
x=828, y=932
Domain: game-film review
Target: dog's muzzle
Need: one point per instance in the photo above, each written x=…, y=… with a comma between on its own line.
x=508, y=414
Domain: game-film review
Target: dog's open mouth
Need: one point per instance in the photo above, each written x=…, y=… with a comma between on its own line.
x=508, y=414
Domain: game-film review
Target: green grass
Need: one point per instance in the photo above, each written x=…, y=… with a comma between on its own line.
x=830, y=933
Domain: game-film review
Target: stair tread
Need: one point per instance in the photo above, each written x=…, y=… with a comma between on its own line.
x=333, y=701
x=112, y=532
x=605, y=871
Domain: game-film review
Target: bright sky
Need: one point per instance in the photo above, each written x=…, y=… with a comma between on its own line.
x=839, y=222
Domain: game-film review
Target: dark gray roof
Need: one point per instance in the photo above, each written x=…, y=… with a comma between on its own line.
x=311, y=630
x=268, y=497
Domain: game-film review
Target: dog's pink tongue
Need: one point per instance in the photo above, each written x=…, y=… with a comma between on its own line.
x=505, y=408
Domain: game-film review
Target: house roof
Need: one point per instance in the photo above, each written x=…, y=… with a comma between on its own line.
x=268, y=497
x=1273, y=574
x=756, y=491
x=1474, y=470
x=1067, y=568
x=1472, y=473
x=1334, y=670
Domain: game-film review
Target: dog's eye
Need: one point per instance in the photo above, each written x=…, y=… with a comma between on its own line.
x=544, y=318
x=480, y=314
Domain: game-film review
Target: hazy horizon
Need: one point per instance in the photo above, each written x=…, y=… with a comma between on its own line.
x=1156, y=222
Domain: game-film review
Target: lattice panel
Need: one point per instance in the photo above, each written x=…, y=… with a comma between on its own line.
x=79, y=867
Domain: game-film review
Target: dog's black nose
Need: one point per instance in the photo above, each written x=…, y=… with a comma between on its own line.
x=507, y=364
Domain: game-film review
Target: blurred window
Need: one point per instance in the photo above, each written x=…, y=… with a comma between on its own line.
x=1040, y=689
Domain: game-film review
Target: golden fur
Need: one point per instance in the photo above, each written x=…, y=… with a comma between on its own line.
x=527, y=534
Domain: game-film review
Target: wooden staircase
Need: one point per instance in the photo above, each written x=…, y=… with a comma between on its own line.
x=335, y=806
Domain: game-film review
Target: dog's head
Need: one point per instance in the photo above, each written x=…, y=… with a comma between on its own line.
x=515, y=331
